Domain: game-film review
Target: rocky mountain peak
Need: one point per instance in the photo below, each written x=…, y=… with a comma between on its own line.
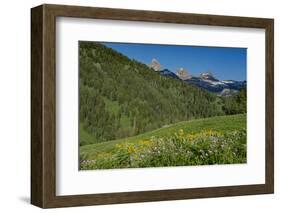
x=155, y=65
x=207, y=76
x=183, y=74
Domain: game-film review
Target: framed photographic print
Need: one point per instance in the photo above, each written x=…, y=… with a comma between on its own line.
x=135, y=106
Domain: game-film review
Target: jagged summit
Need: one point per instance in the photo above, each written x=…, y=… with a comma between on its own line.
x=155, y=65
x=208, y=76
x=183, y=74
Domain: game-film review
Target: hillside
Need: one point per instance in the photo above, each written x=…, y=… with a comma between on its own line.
x=220, y=123
x=120, y=97
x=216, y=140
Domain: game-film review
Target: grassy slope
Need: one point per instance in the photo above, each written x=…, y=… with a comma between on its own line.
x=220, y=123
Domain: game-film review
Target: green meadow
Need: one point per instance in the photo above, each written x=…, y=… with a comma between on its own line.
x=215, y=140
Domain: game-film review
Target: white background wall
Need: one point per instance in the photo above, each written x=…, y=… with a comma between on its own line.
x=15, y=105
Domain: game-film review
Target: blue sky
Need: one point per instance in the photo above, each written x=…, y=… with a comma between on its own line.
x=225, y=63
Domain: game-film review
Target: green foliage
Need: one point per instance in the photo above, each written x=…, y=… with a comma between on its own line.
x=181, y=149
x=222, y=124
x=235, y=104
x=120, y=97
x=85, y=137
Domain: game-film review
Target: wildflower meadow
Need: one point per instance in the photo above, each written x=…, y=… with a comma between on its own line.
x=206, y=147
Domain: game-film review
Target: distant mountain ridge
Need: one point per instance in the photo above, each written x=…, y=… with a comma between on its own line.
x=205, y=80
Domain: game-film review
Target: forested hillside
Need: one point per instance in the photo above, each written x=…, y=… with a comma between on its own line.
x=235, y=104
x=120, y=97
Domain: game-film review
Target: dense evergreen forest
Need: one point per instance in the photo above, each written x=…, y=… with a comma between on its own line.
x=120, y=97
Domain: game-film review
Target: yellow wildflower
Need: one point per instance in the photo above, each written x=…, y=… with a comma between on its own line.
x=191, y=137
x=131, y=149
x=181, y=132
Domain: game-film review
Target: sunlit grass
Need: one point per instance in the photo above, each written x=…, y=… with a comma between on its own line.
x=220, y=123
x=182, y=147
